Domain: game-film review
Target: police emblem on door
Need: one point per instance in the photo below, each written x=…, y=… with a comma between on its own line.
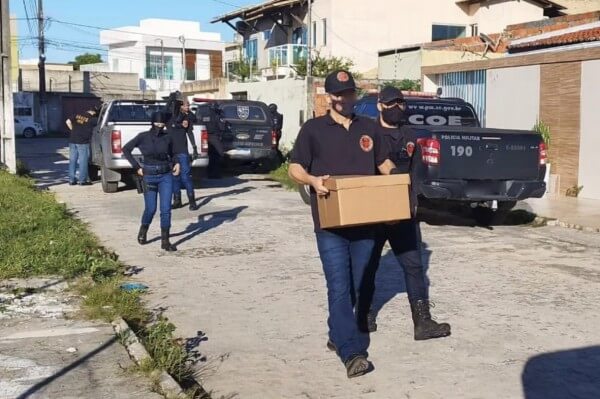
x=243, y=112
x=366, y=143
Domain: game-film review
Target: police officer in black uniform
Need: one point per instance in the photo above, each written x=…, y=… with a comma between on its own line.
x=181, y=128
x=277, y=119
x=341, y=143
x=404, y=237
x=158, y=168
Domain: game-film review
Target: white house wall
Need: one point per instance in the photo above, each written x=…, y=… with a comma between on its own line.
x=513, y=97
x=589, y=177
x=406, y=65
x=362, y=28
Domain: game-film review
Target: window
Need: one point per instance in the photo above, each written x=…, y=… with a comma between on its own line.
x=267, y=35
x=134, y=112
x=324, y=31
x=299, y=35
x=445, y=32
x=474, y=30
x=20, y=111
x=251, y=51
x=154, y=66
x=314, y=34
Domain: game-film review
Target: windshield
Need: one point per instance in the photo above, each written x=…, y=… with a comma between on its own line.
x=133, y=112
x=243, y=113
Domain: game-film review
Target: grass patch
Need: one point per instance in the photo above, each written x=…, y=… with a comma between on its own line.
x=39, y=236
x=281, y=175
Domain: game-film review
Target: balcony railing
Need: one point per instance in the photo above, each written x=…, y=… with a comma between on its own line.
x=287, y=54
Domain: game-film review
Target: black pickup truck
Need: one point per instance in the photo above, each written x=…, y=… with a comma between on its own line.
x=238, y=131
x=457, y=160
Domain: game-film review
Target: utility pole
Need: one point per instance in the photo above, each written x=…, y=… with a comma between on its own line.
x=309, y=94
x=7, y=127
x=309, y=46
x=162, y=64
x=183, y=71
x=42, y=67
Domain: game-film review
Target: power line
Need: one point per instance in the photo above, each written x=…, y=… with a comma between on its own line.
x=29, y=27
x=126, y=31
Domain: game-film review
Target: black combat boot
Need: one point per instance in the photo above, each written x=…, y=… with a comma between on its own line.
x=425, y=327
x=164, y=240
x=176, y=201
x=192, y=200
x=143, y=234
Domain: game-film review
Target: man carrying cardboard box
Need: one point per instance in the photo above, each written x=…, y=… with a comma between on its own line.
x=405, y=236
x=341, y=144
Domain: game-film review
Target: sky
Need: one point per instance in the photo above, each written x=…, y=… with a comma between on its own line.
x=67, y=41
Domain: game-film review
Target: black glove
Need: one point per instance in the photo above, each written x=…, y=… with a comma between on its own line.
x=195, y=154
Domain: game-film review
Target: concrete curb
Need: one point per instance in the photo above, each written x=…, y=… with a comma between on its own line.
x=566, y=225
x=168, y=386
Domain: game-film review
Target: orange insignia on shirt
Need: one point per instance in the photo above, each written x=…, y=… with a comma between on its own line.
x=366, y=143
x=343, y=76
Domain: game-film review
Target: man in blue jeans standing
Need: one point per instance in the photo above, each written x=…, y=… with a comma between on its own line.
x=341, y=143
x=80, y=133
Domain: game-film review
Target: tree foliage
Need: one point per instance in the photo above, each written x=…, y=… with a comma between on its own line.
x=323, y=66
x=404, y=84
x=84, y=59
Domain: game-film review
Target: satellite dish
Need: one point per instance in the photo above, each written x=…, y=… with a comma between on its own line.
x=489, y=42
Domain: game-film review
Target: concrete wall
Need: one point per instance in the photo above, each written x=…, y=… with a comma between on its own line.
x=406, y=65
x=589, y=177
x=288, y=94
x=513, y=97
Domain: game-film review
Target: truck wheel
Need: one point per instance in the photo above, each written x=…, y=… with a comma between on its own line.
x=93, y=172
x=304, y=191
x=487, y=217
x=29, y=133
x=108, y=186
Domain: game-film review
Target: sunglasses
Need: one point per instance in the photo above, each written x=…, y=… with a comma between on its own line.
x=399, y=103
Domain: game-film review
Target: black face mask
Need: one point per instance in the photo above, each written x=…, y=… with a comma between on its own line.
x=393, y=116
x=346, y=106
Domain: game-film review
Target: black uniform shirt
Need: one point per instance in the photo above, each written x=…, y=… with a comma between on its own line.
x=324, y=147
x=181, y=134
x=401, y=143
x=83, y=125
x=157, y=149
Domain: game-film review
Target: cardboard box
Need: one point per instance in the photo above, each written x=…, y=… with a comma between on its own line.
x=358, y=200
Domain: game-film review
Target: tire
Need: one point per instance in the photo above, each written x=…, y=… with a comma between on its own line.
x=304, y=191
x=488, y=217
x=93, y=172
x=108, y=186
x=29, y=133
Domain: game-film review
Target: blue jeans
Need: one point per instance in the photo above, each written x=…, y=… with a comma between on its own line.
x=79, y=155
x=158, y=185
x=345, y=254
x=185, y=176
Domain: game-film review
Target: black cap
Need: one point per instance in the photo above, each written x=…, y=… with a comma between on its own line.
x=389, y=94
x=339, y=81
x=158, y=117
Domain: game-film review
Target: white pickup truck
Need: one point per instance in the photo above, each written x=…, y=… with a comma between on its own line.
x=120, y=121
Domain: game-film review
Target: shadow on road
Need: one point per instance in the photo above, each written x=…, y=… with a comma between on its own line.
x=208, y=198
x=573, y=374
x=208, y=221
x=47, y=381
x=462, y=216
x=46, y=159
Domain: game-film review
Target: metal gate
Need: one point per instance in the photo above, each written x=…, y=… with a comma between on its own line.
x=468, y=85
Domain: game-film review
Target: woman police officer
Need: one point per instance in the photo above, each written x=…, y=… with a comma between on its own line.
x=159, y=167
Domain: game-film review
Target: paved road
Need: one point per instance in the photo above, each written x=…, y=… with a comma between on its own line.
x=523, y=302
